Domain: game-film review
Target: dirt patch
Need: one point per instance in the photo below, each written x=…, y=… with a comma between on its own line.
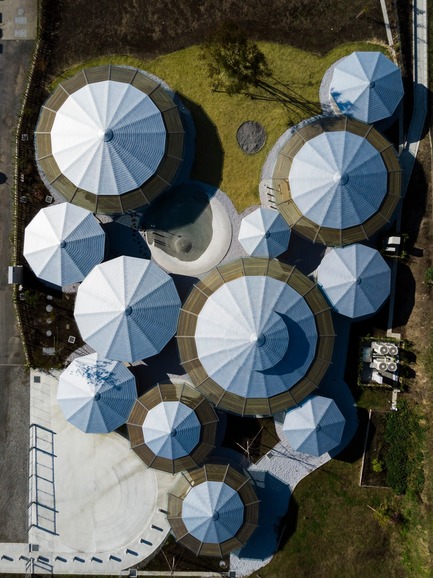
x=147, y=29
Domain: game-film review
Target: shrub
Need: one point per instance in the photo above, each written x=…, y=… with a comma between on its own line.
x=428, y=276
x=404, y=459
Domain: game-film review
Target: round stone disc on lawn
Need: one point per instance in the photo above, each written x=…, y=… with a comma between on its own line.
x=251, y=137
x=188, y=230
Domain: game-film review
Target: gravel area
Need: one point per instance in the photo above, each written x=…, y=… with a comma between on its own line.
x=251, y=137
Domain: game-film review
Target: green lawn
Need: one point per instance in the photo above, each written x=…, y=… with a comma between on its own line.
x=332, y=530
x=219, y=160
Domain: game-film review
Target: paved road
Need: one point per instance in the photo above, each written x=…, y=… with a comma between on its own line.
x=15, y=58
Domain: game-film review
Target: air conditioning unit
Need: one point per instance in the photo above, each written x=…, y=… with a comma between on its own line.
x=379, y=364
x=49, y=199
x=392, y=349
x=392, y=366
x=380, y=348
x=71, y=339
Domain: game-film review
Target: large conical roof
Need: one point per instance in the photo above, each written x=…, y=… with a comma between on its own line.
x=336, y=180
x=172, y=427
x=63, y=243
x=96, y=394
x=256, y=336
x=127, y=309
x=109, y=139
x=264, y=233
x=367, y=86
x=252, y=335
x=356, y=280
x=212, y=510
x=314, y=427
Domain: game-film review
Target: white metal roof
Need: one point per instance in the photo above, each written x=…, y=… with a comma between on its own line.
x=127, y=309
x=315, y=426
x=108, y=137
x=171, y=430
x=256, y=336
x=63, y=243
x=338, y=179
x=367, y=86
x=356, y=280
x=264, y=233
x=212, y=512
x=96, y=394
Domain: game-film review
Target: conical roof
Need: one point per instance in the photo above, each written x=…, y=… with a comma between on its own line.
x=127, y=309
x=63, y=243
x=367, y=86
x=172, y=427
x=213, y=510
x=250, y=333
x=96, y=394
x=251, y=325
x=355, y=279
x=264, y=233
x=314, y=427
x=109, y=139
x=337, y=180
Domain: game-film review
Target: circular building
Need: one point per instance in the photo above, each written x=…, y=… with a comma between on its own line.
x=336, y=180
x=315, y=426
x=213, y=511
x=264, y=233
x=355, y=279
x=366, y=86
x=63, y=243
x=255, y=336
x=96, y=394
x=109, y=139
x=127, y=309
x=172, y=427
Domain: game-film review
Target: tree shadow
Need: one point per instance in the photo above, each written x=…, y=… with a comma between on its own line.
x=209, y=152
x=274, y=496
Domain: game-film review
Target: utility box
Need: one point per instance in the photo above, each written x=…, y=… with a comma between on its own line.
x=15, y=274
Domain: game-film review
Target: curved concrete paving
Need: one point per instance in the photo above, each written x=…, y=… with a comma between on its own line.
x=215, y=252
x=109, y=506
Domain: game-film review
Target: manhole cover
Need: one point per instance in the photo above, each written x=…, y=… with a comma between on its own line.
x=251, y=137
x=20, y=12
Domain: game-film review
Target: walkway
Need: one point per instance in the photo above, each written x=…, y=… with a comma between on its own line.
x=95, y=506
x=417, y=123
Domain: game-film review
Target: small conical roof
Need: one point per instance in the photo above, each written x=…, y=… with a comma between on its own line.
x=367, y=86
x=264, y=233
x=315, y=426
x=127, y=309
x=171, y=430
x=212, y=512
x=63, y=243
x=355, y=279
x=96, y=394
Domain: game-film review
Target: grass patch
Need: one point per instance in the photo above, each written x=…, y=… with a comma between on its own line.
x=218, y=116
x=333, y=528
